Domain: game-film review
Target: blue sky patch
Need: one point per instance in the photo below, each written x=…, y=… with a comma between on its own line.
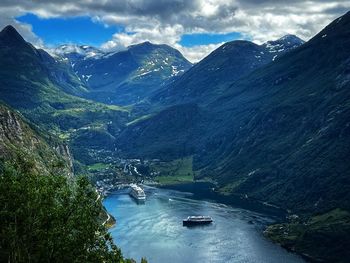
x=78, y=30
x=190, y=40
x=83, y=30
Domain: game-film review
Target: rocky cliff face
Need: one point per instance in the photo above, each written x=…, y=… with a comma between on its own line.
x=20, y=140
x=64, y=151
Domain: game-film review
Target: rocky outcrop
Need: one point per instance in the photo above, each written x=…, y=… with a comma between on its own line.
x=19, y=140
x=64, y=151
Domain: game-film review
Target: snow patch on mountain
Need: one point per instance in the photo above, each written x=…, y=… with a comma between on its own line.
x=284, y=43
x=68, y=50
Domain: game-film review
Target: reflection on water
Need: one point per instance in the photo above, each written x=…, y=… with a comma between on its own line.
x=154, y=230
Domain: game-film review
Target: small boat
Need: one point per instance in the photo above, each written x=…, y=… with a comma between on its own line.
x=197, y=220
x=137, y=192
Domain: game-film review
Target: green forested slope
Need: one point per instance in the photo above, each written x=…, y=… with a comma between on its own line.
x=279, y=134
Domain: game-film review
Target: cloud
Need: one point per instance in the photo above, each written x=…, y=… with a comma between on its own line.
x=197, y=53
x=157, y=34
x=165, y=21
x=7, y=17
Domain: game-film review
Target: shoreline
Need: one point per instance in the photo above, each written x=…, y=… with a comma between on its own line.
x=204, y=191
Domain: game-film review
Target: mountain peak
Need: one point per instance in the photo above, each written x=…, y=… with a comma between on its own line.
x=9, y=36
x=75, y=52
x=284, y=43
x=288, y=39
x=145, y=44
x=291, y=37
x=73, y=48
x=9, y=29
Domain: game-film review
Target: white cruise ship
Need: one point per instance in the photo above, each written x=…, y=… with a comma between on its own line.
x=137, y=192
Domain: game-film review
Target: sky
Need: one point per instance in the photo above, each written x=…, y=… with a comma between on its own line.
x=195, y=27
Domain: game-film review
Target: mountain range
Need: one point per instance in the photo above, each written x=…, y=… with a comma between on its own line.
x=223, y=66
x=124, y=77
x=270, y=133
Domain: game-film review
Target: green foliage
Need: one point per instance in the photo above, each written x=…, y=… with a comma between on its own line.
x=167, y=135
x=323, y=237
x=51, y=219
x=98, y=166
x=177, y=179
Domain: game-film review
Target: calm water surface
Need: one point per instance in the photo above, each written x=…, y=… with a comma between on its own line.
x=154, y=230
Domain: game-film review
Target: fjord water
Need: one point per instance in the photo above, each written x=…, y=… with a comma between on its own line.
x=154, y=230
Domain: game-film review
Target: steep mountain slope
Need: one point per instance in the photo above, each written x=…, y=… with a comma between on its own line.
x=224, y=65
x=281, y=130
x=286, y=127
x=168, y=134
x=14, y=52
x=124, y=77
x=29, y=76
x=22, y=141
x=42, y=89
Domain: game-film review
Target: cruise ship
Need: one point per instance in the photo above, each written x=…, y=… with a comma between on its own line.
x=137, y=192
x=197, y=220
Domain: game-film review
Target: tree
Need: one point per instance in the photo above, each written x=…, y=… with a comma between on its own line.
x=51, y=219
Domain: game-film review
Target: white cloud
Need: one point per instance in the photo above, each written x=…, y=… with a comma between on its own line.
x=197, y=53
x=7, y=17
x=158, y=34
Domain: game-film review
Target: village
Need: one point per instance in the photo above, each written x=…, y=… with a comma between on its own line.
x=121, y=173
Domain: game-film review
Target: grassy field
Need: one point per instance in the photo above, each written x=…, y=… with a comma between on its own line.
x=174, y=172
x=98, y=166
x=167, y=180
